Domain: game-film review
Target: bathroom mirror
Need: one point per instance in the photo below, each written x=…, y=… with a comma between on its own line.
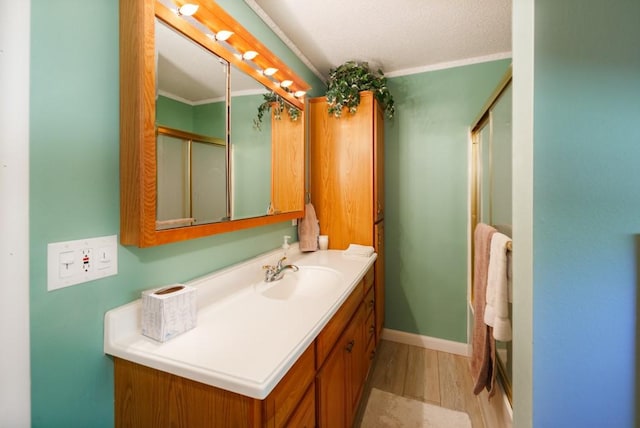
x=149, y=215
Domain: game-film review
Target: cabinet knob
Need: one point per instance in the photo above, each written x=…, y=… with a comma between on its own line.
x=372, y=302
x=350, y=345
x=372, y=329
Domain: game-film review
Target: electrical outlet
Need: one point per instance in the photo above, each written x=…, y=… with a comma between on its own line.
x=75, y=262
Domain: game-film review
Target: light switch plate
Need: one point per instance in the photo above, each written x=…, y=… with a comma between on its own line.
x=74, y=262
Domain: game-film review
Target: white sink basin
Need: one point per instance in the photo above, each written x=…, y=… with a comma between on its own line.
x=307, y=282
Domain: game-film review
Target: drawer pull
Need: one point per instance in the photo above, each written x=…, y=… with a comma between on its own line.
x=350, y=345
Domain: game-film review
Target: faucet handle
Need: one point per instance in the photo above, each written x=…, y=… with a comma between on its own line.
x=280, y=261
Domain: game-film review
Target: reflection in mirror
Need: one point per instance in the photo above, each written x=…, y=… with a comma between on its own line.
x=250, y=149
x=191, y=181
x=191, y=119
x=267, y=161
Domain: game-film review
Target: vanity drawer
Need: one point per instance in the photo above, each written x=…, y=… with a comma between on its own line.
x=370, y=353
x=332, y=331
x=370, y=328
x=370, y=301
x=285, y=397
x=368, y=280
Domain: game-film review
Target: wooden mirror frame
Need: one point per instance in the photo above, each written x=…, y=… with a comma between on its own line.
x=138, y=112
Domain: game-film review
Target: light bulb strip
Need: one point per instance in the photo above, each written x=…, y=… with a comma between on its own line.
x=217, y=19
x=229, y=50
x=223, y=35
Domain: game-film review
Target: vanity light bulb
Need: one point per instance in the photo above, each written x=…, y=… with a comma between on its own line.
x=223, y=35
x=299, y=94
x=249, y=55
x=286, y=83
x=188, y=9
x=270, y=71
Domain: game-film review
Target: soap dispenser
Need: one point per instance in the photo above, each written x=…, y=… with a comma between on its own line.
x=285, y=244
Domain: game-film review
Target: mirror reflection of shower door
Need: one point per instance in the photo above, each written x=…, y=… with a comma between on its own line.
x=191, y=182
x=492, y=187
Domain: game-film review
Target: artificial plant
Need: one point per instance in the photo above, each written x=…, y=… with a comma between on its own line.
x=275, y=101
x=347, y=80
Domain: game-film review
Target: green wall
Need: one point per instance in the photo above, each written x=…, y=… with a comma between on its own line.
x=426, y=213
x=174, y=114
x=204, y=119
x=74, y=194
x=203, y=115
x=586, y=178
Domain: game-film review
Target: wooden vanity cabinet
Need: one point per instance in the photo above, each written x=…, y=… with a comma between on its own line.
x=322, y=389
x=342, y=374
x=146, y=397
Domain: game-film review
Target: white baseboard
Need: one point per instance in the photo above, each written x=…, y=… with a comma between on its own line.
x=427, y=342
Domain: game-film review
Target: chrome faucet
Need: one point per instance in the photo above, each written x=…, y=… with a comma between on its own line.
x=274, y=273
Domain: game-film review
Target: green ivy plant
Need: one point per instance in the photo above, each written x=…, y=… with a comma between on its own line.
x=347, y=80
x=275, y=101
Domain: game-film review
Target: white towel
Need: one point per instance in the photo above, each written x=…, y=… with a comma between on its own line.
x=359, y=250
x=496, y=311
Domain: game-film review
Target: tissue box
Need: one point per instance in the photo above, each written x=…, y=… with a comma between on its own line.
x=168, y=311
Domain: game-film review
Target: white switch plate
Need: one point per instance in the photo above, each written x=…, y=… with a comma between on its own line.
x=75, y=262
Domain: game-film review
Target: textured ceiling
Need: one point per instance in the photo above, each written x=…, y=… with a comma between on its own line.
x=400, y=37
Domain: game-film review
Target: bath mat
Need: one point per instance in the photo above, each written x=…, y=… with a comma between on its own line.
x=385, y=410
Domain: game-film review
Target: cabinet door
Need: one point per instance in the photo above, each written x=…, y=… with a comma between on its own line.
x=331, y=391
x=379, y=278
x=356, y=367
x=341, y=179
x=305, y=414
x=341, y=379
x=287, y=164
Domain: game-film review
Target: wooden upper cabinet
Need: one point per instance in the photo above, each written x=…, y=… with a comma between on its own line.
x=287, y=163
x=347, y=181
x=378, y=155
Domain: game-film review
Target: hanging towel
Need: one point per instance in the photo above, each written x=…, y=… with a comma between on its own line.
x=496, y=311
x=483, y=350
x=308, y=229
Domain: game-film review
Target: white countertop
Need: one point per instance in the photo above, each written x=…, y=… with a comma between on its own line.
x=243, y=342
